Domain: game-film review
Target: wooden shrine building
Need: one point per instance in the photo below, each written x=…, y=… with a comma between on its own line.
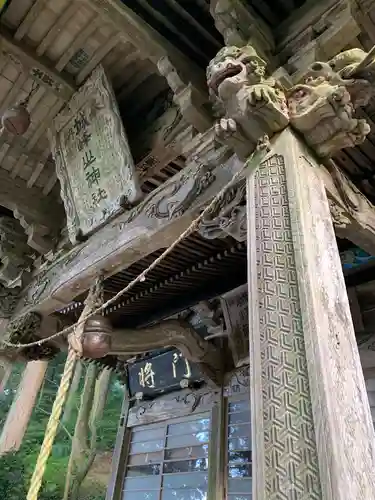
x=248, y=350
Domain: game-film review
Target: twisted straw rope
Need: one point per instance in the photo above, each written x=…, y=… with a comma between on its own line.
x=36, y=481
x=252, y=162
x=58, y=405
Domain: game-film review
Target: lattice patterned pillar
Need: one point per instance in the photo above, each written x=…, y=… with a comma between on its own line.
x=313, y=436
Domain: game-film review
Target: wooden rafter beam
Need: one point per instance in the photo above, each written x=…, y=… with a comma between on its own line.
x=17, y=196
x=151, y=225
x=147, y=40
x=36, y=66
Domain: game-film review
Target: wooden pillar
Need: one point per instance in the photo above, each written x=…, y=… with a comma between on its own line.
x=22, y=407
x=115, y=485
x=5, y=371
x=313, y=437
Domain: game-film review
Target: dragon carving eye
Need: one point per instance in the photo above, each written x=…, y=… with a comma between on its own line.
x=299, y=94
x=317, y=67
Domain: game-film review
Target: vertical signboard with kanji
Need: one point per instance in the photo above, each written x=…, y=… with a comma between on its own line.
x=93, y=160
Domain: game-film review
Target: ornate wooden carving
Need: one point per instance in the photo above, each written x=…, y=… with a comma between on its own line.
x=30, y=328
x=15, y=253
x=352, y=213
x=250, y=105
x=228, y=216
x=239, y=25
x=24, y=330
x=169, y=333
x=322, y=110
x=192, y=101
x=238, y=382
x=8, y=300
x=92, y=156
x=173, y=405
x=208, y=169
x=235, y=307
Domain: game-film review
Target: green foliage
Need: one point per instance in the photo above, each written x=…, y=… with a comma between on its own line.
x=16, y=469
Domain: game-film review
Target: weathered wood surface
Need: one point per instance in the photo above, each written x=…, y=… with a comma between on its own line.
x=155, y=223
x=173, y=405
x=189, y=401
x=161, y=217
x=311, y=420
x=93, y=159
x=235, y=307
x=22, y=407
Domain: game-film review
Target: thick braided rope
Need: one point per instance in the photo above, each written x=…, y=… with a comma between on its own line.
x=58, y=405
x=52, y=426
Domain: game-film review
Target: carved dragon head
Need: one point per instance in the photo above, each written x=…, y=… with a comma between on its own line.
x=323, y=113
x=232, y=68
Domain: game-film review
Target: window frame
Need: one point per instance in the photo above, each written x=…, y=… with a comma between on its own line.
x=212, y=451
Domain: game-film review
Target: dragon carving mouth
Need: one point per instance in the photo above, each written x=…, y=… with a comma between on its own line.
x=221, y=75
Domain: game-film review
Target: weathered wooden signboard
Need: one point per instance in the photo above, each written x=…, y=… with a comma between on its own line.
x=93, y=160
x=235, y=307
x=161, y=373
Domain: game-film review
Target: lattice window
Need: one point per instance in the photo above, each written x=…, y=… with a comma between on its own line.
x=169, y=460
x=239, y=460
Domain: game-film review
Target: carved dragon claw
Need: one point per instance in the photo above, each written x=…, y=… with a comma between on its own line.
x=225, y=128
x=260, y=94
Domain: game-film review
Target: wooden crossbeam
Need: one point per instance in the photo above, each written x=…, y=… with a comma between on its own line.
x=36, y=66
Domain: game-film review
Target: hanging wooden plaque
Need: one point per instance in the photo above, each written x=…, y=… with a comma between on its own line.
x=93, y=160
x=161, y=373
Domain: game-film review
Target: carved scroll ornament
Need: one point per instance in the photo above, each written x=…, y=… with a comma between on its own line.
x=228, y=216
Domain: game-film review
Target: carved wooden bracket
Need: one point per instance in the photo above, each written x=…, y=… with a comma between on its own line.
x=319, y=33
x=228, y=216
x=192, y=100
x=29, y=328
x=353, y=215
x=249, y=104
x=239, y=25
x=173, y=333
x=15, y=253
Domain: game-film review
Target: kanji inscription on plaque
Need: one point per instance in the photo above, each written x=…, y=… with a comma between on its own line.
x=93, y=160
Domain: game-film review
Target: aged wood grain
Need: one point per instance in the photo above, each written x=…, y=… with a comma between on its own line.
x=303, y=354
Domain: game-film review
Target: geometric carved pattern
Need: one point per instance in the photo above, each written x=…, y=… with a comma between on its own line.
x=290, y=453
